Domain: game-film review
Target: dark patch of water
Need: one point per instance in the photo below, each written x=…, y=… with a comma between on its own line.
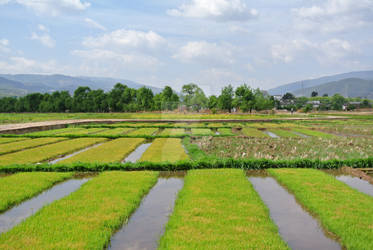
x=136, y=155
x=296, y=226
x=73, y=154
x=17, y=214
x=146, y=225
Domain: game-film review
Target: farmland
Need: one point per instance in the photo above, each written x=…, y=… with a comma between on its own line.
x=216, y=204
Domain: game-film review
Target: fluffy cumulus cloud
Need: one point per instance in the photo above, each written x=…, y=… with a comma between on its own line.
x=220, y=10
x=43, y=37
x=51, y=7
x=22, y=65
x=206, y=53
x=335, y=15
x=123, y=38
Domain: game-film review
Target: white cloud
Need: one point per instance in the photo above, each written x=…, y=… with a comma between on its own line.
x=42, y=28
x=51, y=7
x=94, y=24
x=24, y=65
x=220, y=10
x=4, y=45
x=45, y=39
x=123, y=38
x=204, y=52
x=335, y=15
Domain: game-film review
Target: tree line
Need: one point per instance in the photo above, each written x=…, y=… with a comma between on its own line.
x=125, y=99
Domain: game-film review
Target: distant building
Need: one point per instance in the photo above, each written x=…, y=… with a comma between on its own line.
x=315, y=104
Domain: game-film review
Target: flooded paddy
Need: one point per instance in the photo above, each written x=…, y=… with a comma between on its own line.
x=146, y=225
x=17, y=214
x=271, y=134
x=136, y=155
x=300, y=134
x=296, y=226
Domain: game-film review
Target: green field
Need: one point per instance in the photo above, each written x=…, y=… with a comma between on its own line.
x=167, y=149
x=21, y=145
x=143, y=131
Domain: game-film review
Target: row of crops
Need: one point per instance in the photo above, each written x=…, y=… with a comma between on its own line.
x=206, y=209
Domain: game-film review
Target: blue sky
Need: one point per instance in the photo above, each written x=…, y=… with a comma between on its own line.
x=209, y=42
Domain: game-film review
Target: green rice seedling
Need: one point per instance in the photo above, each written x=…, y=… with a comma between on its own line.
x=18, y=187
x=225, y=131
x=342, y=210
x=48, y=152
x=56, y=131
x=173, y=131
x=87, y=131
x=219, y=209
x=114, y=131
x=284, y=133
x=314, y=133
x=253, y=132
x=9, y=140
x=112, y=151
x=216, y=125
x=165, y=149
x=143, y=131
x=85, y=219
x=21, y=145
x=202, y=131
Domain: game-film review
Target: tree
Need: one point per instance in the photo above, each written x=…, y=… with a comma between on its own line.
x=288, y=96
x=80, y=99
x=169, y=99
x=325, y=95
x=144, y=98
x=245, y=99
x=226, y=98
x=262, y=102
x=115, y=101
x=193, y=97
x=337, y=102
x=314, y=94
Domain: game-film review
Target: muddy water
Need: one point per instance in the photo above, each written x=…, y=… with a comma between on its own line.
x=73, y=154
x=300, y=134
x=17, y=214
x=146, y=225
x=273, y=135
x=296, y=226
x=136, y=155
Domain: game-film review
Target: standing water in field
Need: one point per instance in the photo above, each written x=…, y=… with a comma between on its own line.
x=73, y=154
x=17, y=214
x=297, y=227
x=146, y=225
x=136, y=155
x=300, y=134
x=271, y=134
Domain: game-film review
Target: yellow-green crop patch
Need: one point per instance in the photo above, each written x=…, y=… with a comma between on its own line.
x=143, y=131
x=225, y=131
x=85, y=219
x=202, y=131
x=219, y=209
x=19, y=187
x=56, y=131
x=314, y=133
x=113, y=151
x=86, y=131
x=342, y=210
x=48, y=152
x=253, y=132
x=284, y=133
x=114, y=131
x=4, y=140
x=173, y=131
x=165, y=149
x=21, y=145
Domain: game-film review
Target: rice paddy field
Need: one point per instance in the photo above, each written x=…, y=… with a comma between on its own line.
x=276, y=184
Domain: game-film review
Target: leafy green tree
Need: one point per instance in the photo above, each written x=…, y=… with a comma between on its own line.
x=337, y=102
x=314, y=94
x=193, y=97
x=226, y=98
x=144, y=98
x=245, y=99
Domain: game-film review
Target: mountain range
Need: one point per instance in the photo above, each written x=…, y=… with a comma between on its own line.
x=22, y=84
x=350, y=84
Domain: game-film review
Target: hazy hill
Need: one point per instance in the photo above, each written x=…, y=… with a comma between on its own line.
x=21, y=84
x=351, y=87
x=292, y=87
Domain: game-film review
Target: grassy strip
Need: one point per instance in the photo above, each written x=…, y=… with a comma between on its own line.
x=226, y=131
x=169, y=150
x=115, y=131
x=315, y=133
x=85, y=219
x=152, y=125
x=173, y=131
x=219, y=209
x=113, y=151
x=48, y=152
x=79, y=131
x=202, y=131
x=143, y=131
x=18, y=187
x=341, y=209
x=284, y=133
x=20, y=145
x=9, y=140
x=194, y=151
x=253, y=132
x=56, y=131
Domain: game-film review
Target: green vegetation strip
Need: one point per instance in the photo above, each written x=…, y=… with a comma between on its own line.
x=175, y=131
x=315, y=133
x=284, y=133
x=8, y=140
x=253, y=132
x=55, y=131
x=18, y=187
x=225, y=131
x=169, y=149
x=85, y=219
x=20, y=145
x=113, y=151
x=79, y=131
x=201, y=131
x=115, y=131
x=342, y=210
x=143, y=131
x=219, y=209
x=48, y=152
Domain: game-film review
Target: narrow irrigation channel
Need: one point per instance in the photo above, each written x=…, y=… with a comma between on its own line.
x=17, y=214
x=136, y=155
x=300, y=134
x=353, y=181
x=271, y=134
x=75, y=153
x=296, y=226
x=146, y=225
